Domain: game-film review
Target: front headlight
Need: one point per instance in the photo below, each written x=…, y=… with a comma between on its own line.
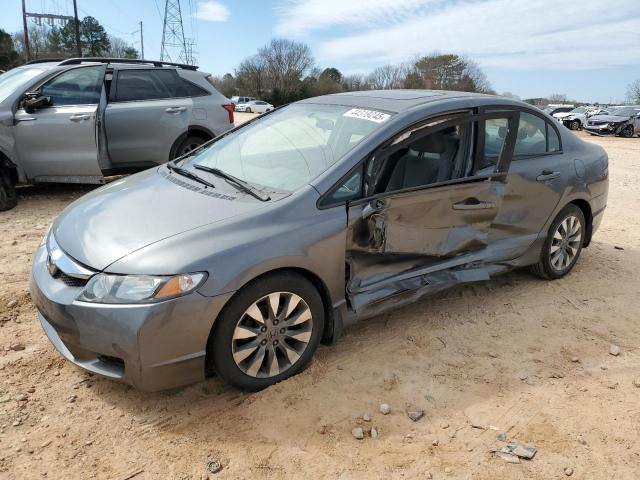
x=107, y=288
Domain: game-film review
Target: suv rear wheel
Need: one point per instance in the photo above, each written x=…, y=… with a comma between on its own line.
x=8, y=195
x=563, y=245
x=268, y=332
x=190, y=143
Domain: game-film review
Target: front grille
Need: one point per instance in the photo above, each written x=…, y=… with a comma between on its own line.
x=68, y=280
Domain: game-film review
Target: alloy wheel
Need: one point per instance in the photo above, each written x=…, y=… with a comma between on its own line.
x=272, y=334
x=565, y=243
x=189, y=147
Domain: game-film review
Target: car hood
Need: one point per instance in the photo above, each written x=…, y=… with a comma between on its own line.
x=608, y=118
x=128, y=214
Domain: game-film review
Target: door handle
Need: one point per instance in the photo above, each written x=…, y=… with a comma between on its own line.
x=81, y=117
x=175, y=109
x=547, y=175
x=473, y=204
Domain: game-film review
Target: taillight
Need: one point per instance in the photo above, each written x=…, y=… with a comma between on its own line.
x=229, y=107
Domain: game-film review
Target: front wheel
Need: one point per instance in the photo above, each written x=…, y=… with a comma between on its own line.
x=627, y=132
x=575, y=125
x=8, y=195
x=268, y=332
x=563, y=245
x=248, y=110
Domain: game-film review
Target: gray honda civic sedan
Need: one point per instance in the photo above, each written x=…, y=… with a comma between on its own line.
x=242, y=257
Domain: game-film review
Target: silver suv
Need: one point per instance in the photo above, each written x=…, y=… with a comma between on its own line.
x=77, y=120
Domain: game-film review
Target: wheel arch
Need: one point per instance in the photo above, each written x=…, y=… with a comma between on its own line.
x=585, y=207
x=197, y=130
x=6, y=165
x=327, y=335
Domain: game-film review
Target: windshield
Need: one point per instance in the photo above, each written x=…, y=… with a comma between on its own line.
x=579, y=110
x=14, y=79
x=291, y=146
x=625, y=111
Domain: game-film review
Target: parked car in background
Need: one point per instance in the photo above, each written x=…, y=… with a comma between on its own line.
x=241, y=100
x=326, y=211
x=577, y=118
x=80, y=119
x=622, y=121
x=254, y=106
x=553, y=110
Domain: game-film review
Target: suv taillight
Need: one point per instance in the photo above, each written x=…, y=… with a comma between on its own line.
x=229, y=107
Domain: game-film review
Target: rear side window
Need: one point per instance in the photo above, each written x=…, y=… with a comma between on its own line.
x=80, y=86
x=153, y=85
x=535, y=136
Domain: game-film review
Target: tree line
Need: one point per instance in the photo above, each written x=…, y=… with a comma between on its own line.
x=60, y=42
x=284, y=71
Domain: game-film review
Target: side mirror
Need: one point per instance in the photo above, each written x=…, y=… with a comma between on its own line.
x=35, y=101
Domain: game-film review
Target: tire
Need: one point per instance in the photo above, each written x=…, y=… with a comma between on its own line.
x=248, y=110
x=8, y=194
x=553, y=265
x=627, y=132
x=574, y=125
x=191, y=142
x=251, y=354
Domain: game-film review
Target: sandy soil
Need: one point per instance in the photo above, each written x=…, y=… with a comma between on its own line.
x=516, y=355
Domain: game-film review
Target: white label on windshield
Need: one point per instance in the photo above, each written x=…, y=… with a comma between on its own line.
x=371, y=115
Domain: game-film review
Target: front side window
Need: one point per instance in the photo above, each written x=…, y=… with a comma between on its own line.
x=149, y=84
x=495, y=133
x=80, y=86
x=439, y=156
x=290, y=147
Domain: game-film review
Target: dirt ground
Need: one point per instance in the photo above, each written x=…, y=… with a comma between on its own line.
x=514, y=355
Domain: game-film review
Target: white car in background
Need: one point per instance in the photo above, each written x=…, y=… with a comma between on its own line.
x=254, y=106
x=577, y=118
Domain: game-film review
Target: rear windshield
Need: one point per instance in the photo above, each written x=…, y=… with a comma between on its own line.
x=291, y=146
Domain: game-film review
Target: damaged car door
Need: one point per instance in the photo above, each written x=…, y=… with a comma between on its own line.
x=427, y=213
x=55, y=127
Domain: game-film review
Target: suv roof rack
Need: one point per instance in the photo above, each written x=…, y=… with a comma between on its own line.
x=78, y=61
x=44, y=60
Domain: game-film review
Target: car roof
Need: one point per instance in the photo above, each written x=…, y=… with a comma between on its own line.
x=389, y=100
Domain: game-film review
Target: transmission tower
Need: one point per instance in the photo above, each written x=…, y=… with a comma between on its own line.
x=175, y=46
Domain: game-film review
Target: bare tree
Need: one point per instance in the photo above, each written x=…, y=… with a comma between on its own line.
x=286, y=63
x=355, y=82
x=387, y=77
x=251, y=76
x=118, y=48
x=451, y=72
x=557, y=98
x=633, y=92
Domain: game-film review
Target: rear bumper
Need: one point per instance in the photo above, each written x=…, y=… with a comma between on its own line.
x=151, y=347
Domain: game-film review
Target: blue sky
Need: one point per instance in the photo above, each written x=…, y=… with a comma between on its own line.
x=586, y=49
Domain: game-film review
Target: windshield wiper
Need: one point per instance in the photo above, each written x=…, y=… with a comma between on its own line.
x=241, y=184
x=186, y=173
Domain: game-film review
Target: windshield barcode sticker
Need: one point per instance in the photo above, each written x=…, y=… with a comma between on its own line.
x=371, y=115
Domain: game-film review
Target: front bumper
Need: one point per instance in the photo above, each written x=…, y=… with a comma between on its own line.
x=151, y=347
x=601, y=130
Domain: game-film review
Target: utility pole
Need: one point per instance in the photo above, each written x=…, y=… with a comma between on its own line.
x=77, y=25
x=141, y=43
x=27, y=51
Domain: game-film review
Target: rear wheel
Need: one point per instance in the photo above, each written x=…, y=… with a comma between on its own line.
x=190, y=143
x=248, y=110
x=563, y=245
x=268, y=332
x=627, y=132
x=575, y=125
x=8, y=194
